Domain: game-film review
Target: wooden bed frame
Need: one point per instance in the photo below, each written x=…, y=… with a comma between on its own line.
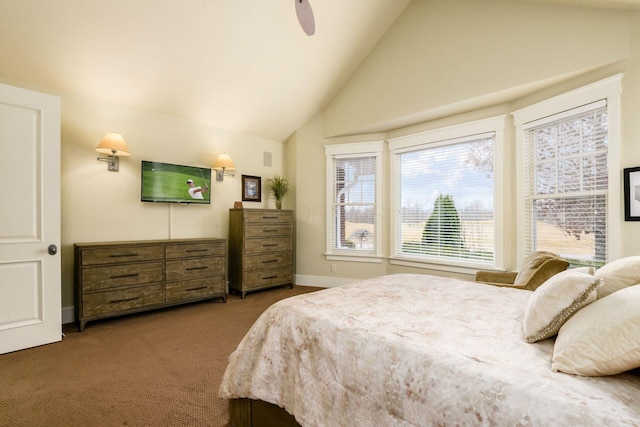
x=254, y=413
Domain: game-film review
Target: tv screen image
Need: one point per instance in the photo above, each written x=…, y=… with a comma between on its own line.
x=166, y=182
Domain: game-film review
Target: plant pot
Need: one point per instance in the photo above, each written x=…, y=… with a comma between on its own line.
x=278, y=204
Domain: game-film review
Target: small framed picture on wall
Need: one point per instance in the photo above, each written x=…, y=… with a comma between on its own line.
x=251, y=188
x=632, y=194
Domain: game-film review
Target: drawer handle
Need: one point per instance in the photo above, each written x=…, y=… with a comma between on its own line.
x=270, y=277
x=196, y=268
x=197, y=289
x=270, y=245
x=123, y=255
x=270, y=231
x=122, y=276
x=116, y=301
x=269, y=217
x=197, y=250
x=269, y=261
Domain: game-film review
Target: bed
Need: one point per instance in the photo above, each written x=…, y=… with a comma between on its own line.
x=417, y=350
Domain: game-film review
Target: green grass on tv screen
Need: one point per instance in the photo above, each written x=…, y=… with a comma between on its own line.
x=165, y=182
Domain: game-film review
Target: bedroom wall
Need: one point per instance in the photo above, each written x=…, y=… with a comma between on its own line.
x=630, y=238
x=311, y=267
x=440, y=58
x=99, y=205
x=444, y=63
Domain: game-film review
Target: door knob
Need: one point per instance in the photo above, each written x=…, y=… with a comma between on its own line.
x=53, y=249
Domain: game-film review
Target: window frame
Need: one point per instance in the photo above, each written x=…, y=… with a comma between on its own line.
x=357, y=149
x=449, y=135
x=610, y=90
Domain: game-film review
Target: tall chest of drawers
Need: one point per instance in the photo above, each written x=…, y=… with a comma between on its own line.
x=260, y=249
x=116, y=278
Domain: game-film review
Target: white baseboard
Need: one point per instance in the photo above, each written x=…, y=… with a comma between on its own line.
x=322, y=281
x=68, y=315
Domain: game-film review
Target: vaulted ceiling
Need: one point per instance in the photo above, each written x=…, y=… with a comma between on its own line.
x=240, y=65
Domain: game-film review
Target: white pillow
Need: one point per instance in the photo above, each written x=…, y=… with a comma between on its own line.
x=602, y=338
x=588, y=270
x=618, y=275
x=555, y=301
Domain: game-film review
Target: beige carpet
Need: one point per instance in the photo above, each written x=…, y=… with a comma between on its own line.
x=160, y=368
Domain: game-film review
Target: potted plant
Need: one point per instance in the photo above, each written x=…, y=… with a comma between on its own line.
x=278, y=187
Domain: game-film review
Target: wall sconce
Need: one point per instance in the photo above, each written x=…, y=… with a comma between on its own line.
x=113, y=144
x=222, y=165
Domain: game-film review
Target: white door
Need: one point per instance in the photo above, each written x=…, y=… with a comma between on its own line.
x=30, y=301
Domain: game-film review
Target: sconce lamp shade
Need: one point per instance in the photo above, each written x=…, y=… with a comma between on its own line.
x=223, y=165
x=113, y=144
x=224, y=162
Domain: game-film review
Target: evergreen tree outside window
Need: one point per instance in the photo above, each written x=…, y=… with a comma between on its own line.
x=442, y=232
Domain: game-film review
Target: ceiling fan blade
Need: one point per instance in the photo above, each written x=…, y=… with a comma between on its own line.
x=305, y=16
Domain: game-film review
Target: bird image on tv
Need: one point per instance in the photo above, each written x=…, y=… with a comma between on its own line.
x=166, y=182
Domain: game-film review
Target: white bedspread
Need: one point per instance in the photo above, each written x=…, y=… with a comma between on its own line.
x=417, y=350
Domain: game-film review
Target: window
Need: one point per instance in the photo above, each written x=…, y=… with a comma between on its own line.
x=353, y=201
x=444, y=195
x=569, y=175
x=566, y=194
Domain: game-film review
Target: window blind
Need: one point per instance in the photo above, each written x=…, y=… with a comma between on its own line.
x=443, y=199
x=353, y=209
x=566, y=162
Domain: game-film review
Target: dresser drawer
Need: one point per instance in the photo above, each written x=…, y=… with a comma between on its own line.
x=269, y=261
x=193, y=268
x=275, y=244
x=268, y=230
x=99, y=256
x=188, y=289
x=115, y=276
x=259, y=279
x=121, y=300
x=267, y=216
x=191, y=250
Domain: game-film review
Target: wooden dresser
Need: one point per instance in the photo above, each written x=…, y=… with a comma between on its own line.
x=260, y=249
x=116, y=278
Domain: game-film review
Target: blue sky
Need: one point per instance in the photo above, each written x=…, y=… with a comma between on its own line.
x=425, y=176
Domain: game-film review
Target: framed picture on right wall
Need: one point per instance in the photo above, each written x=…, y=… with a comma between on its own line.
x=632, y=194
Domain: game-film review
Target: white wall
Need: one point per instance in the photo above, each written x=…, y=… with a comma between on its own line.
x=444, y=63
x=443, y=57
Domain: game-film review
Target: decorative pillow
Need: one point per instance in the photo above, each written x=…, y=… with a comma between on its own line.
x=587, y=270
x=537, y=268
x=555, y=301
x=602, y=338
x=618, y=275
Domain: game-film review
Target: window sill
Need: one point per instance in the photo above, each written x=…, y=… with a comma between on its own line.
x=466, y=268
x=354, y=258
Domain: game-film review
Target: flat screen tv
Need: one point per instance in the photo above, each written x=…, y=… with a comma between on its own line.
x=166, y=182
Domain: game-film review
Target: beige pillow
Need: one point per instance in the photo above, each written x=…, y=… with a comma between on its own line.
x=602, y=338
x=618, y=275
x=555, y=301
x=537, y=267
